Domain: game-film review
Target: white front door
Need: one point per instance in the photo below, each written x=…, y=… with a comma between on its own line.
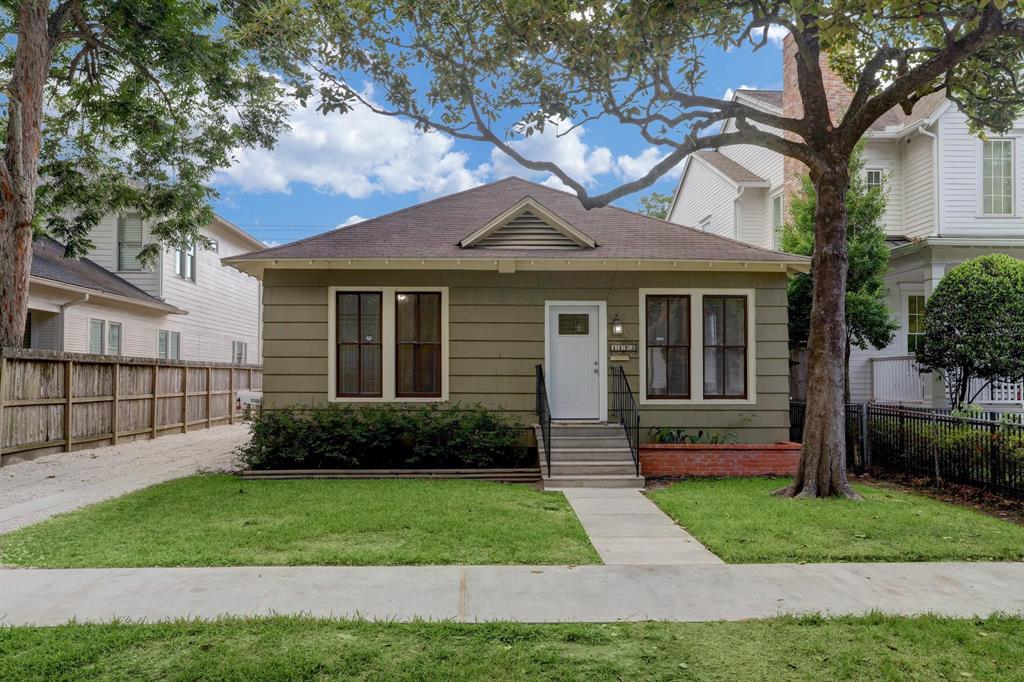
x=574, y=368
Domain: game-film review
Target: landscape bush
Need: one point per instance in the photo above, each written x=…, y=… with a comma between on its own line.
x=384, y=437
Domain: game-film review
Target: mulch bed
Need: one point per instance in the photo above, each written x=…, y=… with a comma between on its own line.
x=1006, y=508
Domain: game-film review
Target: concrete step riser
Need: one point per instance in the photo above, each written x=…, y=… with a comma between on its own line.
x=591, y=456
x=592, y=468
x=583, y=442
x=567, y=482
x=573, y=431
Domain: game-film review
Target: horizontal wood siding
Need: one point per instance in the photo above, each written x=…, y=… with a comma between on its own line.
x=497, y=337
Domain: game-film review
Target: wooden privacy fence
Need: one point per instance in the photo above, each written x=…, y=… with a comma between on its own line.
x=52, y=402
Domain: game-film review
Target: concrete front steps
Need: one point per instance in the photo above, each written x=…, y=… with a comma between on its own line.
x=588, y=455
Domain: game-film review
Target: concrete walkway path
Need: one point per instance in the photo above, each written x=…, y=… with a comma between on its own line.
x=626, y=528
x=37, y=489
x=518, y=593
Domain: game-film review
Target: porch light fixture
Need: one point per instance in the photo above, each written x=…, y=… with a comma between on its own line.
x=617, y=328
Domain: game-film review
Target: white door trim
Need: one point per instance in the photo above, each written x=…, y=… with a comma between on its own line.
x=602, y=350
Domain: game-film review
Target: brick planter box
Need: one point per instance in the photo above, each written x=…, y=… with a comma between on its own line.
x=733, y=459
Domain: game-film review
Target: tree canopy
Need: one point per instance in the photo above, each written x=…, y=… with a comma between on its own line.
x=656, y=204
x=974, y=326
x=144, y=101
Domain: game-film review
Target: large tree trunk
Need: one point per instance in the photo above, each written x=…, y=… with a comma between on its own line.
x=822, y=470
x=19, y=174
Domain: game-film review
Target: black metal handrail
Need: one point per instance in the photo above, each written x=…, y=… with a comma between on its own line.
x=625, y=409
x=544, y=415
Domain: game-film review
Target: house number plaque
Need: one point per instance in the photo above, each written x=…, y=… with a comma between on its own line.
x=622, y=347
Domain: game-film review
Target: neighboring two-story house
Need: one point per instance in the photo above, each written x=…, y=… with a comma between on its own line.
x=950, y=196
x=187, y=306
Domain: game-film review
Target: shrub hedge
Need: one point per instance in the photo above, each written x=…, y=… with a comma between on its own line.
x=384, y=437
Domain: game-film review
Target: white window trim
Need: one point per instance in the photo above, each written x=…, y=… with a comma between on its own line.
x=705, y=223
x=103, y=336
x=905, y=293
x=387, y=346
x=170, y=335
x=120, y=338
x=697, y=347
x=602, y=345
x=1015, y=176
x=881, y=176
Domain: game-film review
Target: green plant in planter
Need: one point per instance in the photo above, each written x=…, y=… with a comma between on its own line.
x=664, y=434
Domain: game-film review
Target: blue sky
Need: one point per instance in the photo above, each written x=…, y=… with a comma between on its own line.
x=337, y=169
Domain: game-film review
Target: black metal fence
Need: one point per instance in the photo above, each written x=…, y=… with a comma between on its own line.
x=984, y=452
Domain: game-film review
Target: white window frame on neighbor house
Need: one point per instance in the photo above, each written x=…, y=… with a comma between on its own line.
x=103, y=336
x=778, y=221
x=170, y=336
x=186, y=263
x=697, y=346
x=1013, y=178
x=906, y=293
x=134, y=264
x=239, y=352
x=867, y=177
x=111, y=326
x=705, y=223
x=388, y=356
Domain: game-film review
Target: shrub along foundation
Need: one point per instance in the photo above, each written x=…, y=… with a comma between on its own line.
x=719, y=460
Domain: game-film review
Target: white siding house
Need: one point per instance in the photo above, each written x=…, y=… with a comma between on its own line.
x=950, y=197
x=109, y=303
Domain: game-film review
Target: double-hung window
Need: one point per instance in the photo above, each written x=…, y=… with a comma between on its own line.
x=725, y=346
x=113, y=338
x=185, y=263
x=239, y=352
x=97, y=328
x=997, y=182
x=915, y=321
x=358, y=344
x=418, y=344
x=129, y=243
x=168, y=345
x=668, y=347
x=388, y=344
x=873, y=178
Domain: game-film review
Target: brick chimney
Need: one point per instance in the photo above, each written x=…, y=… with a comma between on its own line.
x=838, y=94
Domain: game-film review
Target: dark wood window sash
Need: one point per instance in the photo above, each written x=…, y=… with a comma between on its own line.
x=416, y=345
x=669, y=346
x=359, y=344
x=723, y=346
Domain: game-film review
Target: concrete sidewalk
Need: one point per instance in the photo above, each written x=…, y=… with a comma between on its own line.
x=518, y=593
x=36, y=490
x=626, y=528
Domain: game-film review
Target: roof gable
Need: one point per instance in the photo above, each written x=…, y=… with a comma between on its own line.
x=528, y=225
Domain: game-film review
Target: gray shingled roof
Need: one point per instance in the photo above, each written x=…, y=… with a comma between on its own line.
x=48, y=262
x=770, y=97
x=433, y=230
x=735, y=171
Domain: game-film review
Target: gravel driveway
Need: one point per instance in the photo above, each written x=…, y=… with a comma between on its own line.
x=36, y=490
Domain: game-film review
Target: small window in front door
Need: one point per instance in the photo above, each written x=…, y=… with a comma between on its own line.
x=573, y=324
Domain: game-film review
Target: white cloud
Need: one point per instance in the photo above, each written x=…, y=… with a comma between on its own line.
x=351, y=220
x=729, y=92
x=356, y=154
x=629, y=168
x=270, y=243
x=776, y=33
x=568, y=150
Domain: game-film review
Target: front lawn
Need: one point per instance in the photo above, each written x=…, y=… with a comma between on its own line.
x=742, y=522
x=223, y=521
x=873, y=647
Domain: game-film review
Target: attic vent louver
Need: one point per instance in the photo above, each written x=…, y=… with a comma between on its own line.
x=528, y=226
x=527, y=231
